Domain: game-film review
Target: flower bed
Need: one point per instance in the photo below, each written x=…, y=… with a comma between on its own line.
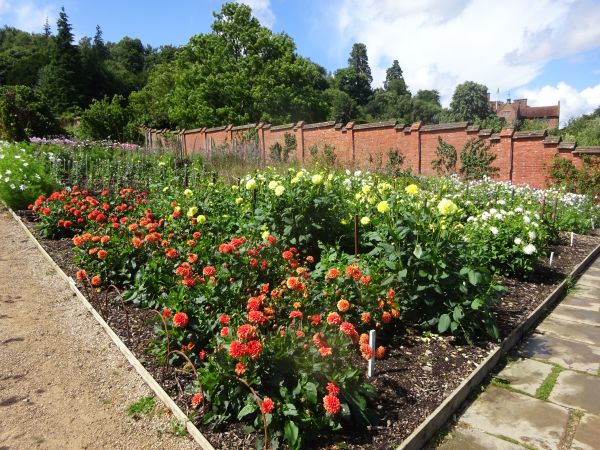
x=264, y=290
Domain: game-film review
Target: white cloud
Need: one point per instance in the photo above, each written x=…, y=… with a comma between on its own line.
x=261, y=9
x=572, y=102
x=26, y=15
x=4, y=6
x=440, y=43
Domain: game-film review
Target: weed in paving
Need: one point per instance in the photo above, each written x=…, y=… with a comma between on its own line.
x=543, y=392
x=143, y=406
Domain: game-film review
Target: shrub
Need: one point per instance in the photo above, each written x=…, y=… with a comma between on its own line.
x=23, y=177
x=24, y=113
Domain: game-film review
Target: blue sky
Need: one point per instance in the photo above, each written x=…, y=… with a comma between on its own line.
x=547, y=51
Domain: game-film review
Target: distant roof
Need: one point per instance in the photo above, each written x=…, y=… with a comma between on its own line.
x=531, y=112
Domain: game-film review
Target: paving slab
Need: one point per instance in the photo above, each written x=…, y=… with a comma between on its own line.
x=587, y=436
x=577, y=390
x=568, y=354
x=578, y=315
x=587, y=334
x=590, y=278
x=591, y=304
x=528, y=420
x=468, y=438
x=588, y=281
x=526, y=375
x=583, y=290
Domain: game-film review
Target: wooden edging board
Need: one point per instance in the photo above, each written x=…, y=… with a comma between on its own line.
x=438, y=418
x=141, y=370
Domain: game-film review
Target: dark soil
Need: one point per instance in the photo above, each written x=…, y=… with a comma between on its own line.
x=418, y=373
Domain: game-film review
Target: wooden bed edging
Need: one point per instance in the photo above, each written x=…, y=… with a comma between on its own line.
x=140, y=369
x=438, y=418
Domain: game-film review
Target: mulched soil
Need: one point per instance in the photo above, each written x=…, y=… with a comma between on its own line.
x=418, y=373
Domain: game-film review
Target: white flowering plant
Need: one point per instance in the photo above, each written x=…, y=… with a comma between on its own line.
x=509, y=241
x=23, y=177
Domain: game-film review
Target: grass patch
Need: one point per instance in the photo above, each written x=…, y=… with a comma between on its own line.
x=543, y=392
x=143, y=406
x=178, y=428
x=513, y=441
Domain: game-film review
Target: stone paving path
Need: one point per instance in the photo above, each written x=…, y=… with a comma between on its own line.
x=548, y=394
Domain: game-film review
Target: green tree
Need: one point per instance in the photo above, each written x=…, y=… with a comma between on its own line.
x=60, y=80
x=426, y=106
x=24, y=113
x=359, y=61
x=342, y=107
x=394, y=80
x=242, y=72
x=470, y=101
x=353, y=83
x=150, y=105
x=22, y=55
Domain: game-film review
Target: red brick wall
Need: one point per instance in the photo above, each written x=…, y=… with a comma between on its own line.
x=361, y=146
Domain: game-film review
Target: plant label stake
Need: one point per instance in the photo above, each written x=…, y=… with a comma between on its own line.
x=551, y=257
x=372, y=360
x=572, y=236
x=592, y=220
x=355, y=234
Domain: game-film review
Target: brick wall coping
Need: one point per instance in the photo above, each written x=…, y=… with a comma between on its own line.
x=552, y=140
x=366, y=126
x=529, y=134
x=243, y=127
x=319, y=125
x=285, y=126
x=445, y=126
x=486, y=132
x=209, y=130
x=588, y=150
x=473, y=128
x=567, y=145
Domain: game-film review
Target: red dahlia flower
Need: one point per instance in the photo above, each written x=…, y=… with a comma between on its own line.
x=180, y=320
x=331, y=404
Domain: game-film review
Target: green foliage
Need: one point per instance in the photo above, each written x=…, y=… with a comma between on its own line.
x=476, y=160
x=532, y=125
x=22, y=55
x=394, y=80
x=23, y=176
x=106, y=119
x=342, y=107
x=359, y=61
x=470, y=101
x=60, y=80
x=446, y=158
x=141, y=407
x=242, y=72
x=24, y=113
x=353, y=83
x=426, y=106
x=584, y=129
x=584, y=180
x=281, y=153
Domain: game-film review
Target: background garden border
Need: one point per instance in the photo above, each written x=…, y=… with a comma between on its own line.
x=438, y=418
x=141, y=370
x=421, y=435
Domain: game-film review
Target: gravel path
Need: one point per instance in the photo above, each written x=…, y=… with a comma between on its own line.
x=63, y=383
